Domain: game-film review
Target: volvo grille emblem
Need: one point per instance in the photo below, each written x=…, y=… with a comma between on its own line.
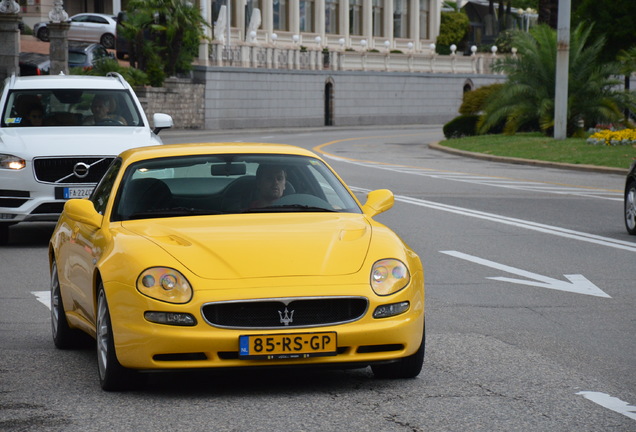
x=286, y=317
x=80, y=170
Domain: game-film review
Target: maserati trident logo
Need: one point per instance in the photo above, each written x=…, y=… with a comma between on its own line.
x=81, y=169
x=286, y=317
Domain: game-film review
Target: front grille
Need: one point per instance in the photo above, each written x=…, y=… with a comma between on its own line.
x=62, y=170
x=285, y=313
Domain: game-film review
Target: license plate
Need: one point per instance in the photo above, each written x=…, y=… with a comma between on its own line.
x=287, y=346
x=69, y=193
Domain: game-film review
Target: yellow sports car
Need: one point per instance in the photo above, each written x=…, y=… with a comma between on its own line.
x=233, y=255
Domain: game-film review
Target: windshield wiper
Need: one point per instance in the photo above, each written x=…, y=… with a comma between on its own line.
x=294, y=207
x=171, y=212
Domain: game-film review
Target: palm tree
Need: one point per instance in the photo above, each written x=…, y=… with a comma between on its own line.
x=526, y=100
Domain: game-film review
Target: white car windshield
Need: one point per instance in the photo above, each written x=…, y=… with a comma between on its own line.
x=70, y=107
x=224, y=184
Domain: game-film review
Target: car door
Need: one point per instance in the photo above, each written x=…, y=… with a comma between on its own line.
x=77, y=30
x=81, y=253
x=95, y=28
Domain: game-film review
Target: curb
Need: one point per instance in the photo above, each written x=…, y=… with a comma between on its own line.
x=520, y=161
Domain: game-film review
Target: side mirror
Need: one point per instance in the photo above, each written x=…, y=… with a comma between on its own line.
x=161, y=121
x=83, y=211
x=378, y=201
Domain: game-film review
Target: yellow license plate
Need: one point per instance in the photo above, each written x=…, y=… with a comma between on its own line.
x=287, y=346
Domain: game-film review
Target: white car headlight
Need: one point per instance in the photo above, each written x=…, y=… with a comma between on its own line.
x=165, y=284
x=11, y=162
x=389, y=276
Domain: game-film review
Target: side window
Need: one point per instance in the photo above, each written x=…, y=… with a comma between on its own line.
x=104, y=188
x=98, y=20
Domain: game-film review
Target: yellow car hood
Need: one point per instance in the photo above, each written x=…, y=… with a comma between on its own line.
x=262, y=245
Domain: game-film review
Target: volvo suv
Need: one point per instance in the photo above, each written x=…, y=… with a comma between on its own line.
x=58, y=135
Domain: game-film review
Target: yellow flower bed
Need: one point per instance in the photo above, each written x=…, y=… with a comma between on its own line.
x=613, y=137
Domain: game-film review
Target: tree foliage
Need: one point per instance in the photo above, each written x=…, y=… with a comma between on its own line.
x=527, y=98
x=163, y=36
x=454, y=27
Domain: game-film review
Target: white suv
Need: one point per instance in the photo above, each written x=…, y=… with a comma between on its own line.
x=58, y=135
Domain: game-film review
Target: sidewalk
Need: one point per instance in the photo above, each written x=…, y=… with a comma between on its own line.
x=33, y=44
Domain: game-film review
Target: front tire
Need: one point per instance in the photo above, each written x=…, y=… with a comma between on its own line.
x=112, y=375
x=630, y=208
x=407, y=367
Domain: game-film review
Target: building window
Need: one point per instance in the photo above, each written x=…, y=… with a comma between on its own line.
x=400, y=19
x=331, y=16
x=306, y=15
x=424, y=19
x=378, y=13
x=355, y=17
x=281, y=14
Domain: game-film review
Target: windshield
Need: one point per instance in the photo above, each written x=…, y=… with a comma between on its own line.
x=70, y=107
x=230, y=184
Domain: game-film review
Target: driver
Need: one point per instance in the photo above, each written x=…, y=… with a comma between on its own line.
x=270, y=185
x=102, y=109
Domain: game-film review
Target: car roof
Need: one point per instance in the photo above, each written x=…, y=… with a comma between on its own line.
x=170, y=150
x=65, y=82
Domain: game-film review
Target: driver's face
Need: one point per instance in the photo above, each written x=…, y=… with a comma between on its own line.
x=271, y=185
x=99, y=108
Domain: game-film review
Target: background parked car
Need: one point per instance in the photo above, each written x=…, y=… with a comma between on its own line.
x=88, y=27
x=630, y=200
x=87, y=55
x=80, y=54
x=34, y=64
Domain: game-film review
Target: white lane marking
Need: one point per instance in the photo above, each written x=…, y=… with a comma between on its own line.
x=578, y=284
x=611, y=403
x=519, y=223
x=43, y=297
x=501, y=182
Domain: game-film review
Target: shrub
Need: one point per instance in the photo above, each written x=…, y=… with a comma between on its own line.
x=474, y=100
x=464, y=125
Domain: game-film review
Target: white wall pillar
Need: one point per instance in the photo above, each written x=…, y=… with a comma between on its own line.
x=367, y=20
x=267, y=17
x=294, y=17
x=388, y=20
x=319, y=19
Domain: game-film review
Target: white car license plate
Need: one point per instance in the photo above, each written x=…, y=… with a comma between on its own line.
x=77, y=192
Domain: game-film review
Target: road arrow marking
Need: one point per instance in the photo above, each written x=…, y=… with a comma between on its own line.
x=43, y=297
x=610, y=402
x=576, y=283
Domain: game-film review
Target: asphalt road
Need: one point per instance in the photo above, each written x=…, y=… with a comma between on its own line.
x=530, y=290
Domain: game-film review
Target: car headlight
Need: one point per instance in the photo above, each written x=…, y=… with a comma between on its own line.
x=11, y=162
x=389, y=276
x=165, y=284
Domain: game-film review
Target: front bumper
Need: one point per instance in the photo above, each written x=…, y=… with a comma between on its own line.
x=143, y=345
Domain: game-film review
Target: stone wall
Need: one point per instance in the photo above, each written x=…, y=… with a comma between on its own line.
x=260, y=98
x=238, y=98
x=181, y=98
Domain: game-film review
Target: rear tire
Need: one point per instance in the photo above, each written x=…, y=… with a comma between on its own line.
x=112, y=375
x=630, y=208
x=43, y=34
x=407, y=367
x=108, y=40
x=64, y=337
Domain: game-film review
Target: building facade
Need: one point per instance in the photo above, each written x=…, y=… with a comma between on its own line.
x=365, y=24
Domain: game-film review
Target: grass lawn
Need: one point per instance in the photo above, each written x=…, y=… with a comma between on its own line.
x=539, y=147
